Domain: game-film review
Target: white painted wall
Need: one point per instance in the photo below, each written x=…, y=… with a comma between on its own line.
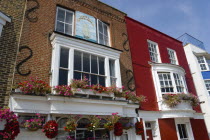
x=202, y=93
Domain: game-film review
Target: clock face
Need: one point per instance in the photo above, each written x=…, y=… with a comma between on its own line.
x=85, y=26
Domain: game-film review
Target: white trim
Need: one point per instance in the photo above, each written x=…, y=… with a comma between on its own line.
x=3, y=20
x=157, y=47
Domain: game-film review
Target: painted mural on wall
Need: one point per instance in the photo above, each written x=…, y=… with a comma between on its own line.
x=85, y=26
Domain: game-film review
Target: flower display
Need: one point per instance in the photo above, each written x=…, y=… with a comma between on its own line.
x=134, y=98
x=64, y=90
x=34, y=124
x=118, y=129
x=139, y=128
x=99, y=89
x=173, y=100
x=118, y=92
x=11, y=129
x=94, y=122
x=34, y=86
x=83, y=83
x=71, y=124
x=50, y=129
x=111, y=120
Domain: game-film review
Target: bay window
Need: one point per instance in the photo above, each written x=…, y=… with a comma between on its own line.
x=72, y=59
x=171, y=82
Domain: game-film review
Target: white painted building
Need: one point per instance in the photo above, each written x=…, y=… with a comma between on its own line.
x=198, y=60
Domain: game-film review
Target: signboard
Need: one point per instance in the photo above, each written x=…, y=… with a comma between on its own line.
x=85, y=27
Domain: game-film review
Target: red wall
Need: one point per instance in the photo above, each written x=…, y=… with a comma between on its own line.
x=138, y=34
x=199, y=129
x=167, y=129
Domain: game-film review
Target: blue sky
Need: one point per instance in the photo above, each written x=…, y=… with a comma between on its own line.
x=173, y=17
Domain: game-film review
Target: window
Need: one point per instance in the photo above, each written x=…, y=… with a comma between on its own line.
x=179, y=83
x=112, y=72
x=64, y=21
x=171, y=82
x=85, y=65
x=207, y=82
x=81, y=132
x=153, y=51
x=165, y=82
x=90, y=66
x=183, y=134
x=103, y=36
x=172, y=56
x=65, y=24
x=202, y=62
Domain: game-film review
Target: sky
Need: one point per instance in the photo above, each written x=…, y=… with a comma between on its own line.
x=172, y=17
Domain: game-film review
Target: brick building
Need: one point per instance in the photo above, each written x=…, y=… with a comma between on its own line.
x=161, y=60
x=69, y=39
x=10, y=32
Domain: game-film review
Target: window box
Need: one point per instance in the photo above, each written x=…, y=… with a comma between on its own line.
x=88, y=93
x=181, y=106
x=120, y=98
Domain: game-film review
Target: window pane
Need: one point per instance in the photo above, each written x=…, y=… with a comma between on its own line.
x=86, y=62
x=84, y=135
x=105, y=30
x=102, y=80
x=101, y=39
x=68, y=29
x=63, y=77
x=64, y=58
x=60, y=27
x=69, y=17
x=100, y=26
x=113, y=81
x=61, y=15
x=101, y=66
x=77, y=60
x=94, y=64
x=77, y=75
x=112, y=67
x=94, y=79
x=102, y=134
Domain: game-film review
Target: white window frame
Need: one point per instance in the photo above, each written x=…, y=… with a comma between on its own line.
x=73, y=22
x=108, y=31
x=206, y=87
x=185, y=121
x=83, y=46
x=157, y=51
x=205, y=63
x=175, y=56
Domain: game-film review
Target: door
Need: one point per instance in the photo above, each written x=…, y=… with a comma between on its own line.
x=149, y=134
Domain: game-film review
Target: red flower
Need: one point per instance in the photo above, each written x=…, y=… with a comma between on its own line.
x=50, y=129
x=118, y=129
x=139, y=128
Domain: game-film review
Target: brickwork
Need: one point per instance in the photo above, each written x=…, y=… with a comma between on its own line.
x=8, y=45
x=36, y=35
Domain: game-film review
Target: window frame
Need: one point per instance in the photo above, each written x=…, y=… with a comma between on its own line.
x=205, y=63
x=205, y=80
x=73, y=20
x=175, y=56
x=173, y=80
x=188, y=127
x=108, y=32
x=157, y=51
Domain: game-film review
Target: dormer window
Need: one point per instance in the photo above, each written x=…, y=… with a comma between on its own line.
x=202, y=62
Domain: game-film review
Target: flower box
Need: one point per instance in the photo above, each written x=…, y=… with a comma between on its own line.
x=88, y=93
x=120, y=98
x=181, y=106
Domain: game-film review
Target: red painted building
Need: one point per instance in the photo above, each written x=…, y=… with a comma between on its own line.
x=160, y=67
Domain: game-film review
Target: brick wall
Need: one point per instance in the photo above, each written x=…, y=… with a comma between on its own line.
x=8, y=45
x=36, y=35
